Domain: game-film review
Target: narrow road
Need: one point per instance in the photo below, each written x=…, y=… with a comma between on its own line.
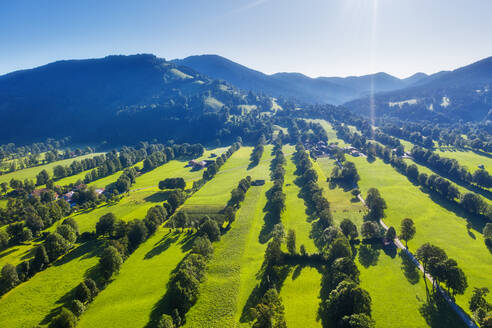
x=464, y=317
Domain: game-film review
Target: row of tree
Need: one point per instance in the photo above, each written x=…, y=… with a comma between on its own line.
x=55, y=245
x=451, y=167
x=237, y=196
x=213, y=168
x=120, y=239
x=257, y=151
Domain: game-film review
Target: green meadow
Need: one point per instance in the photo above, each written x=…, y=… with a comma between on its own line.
x=30, y=173
x=300, y=296
x=436, y=222
x=468, y=158
x=237, y=256
x=31, y=303
x=215, y=194
x=383, y=275
x=139, y=285
x=294, y=216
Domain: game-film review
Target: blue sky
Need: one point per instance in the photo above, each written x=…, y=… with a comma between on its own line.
x=314, y=37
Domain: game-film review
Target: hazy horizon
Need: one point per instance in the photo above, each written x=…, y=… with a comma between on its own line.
x=336, y=38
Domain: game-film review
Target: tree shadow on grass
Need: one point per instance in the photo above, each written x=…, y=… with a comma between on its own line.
x=10, y=252
x=187, y=242
x=93, y=273
x=260, y=289
x=157, y=197
x=368, y=255
x=438, y=314
x=478, y=223
x=162, y=245
x=409, y=269
x=86, y=250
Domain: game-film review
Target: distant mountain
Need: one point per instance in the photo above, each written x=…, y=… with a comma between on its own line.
x=334, y=90
x=115, y=98
x=464, y=93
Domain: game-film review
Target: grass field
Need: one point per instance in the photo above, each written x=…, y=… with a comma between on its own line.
x=237, y=256
x=462, y=189
x=16, y=254
x=330, y=132
x=30, y=173
x=434, y=220
x=174, y=169
x=140, y=284
x=294, y=216
x=342, y=204
x=468, y=158
x=215, y=194
x=28, y=304
x=383, y=278
x=300, y=296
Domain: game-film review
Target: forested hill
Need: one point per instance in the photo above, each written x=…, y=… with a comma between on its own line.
x=118, y=99
x=332, y=90
x=461, y=94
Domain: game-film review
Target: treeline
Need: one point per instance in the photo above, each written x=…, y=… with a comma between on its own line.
x=442, y=269
x=470, y=202
x=184, y=285
x=74, y=168
x=28, y=217
x=275, y=195
x=301, y=130
x=237, y=196
x=120, y=240
x=451, y=167
x=54, y=246
x=257, y=151
x=312, y=193
x=213, y=168
x=11, y=151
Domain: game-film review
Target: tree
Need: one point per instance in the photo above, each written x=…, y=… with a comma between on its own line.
x=72, y=223
x=4, y=239
x=67, y=232
x=291, y=242
x=66, y=319
x=77, y=307
x=376, y=204
x=270, y=311
x=59, y=172
x=166, y=321
x=370, y=230
x=83, y=293
x=390, y=234
x=407, y=230
x=110, y=261
x=347, y=299
x=34, y=223
x=349, y=229
x=412, y=172
x=41, y=259
x=106, y=224
x=340, y=247
x=479, y=299
x=137, y=234
x=56, y=246
x=203, y=246
x=42, y=178
x=9, y=277
x=210, y=228
x=358, y=320
x=473, y=203
x=429, y=254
